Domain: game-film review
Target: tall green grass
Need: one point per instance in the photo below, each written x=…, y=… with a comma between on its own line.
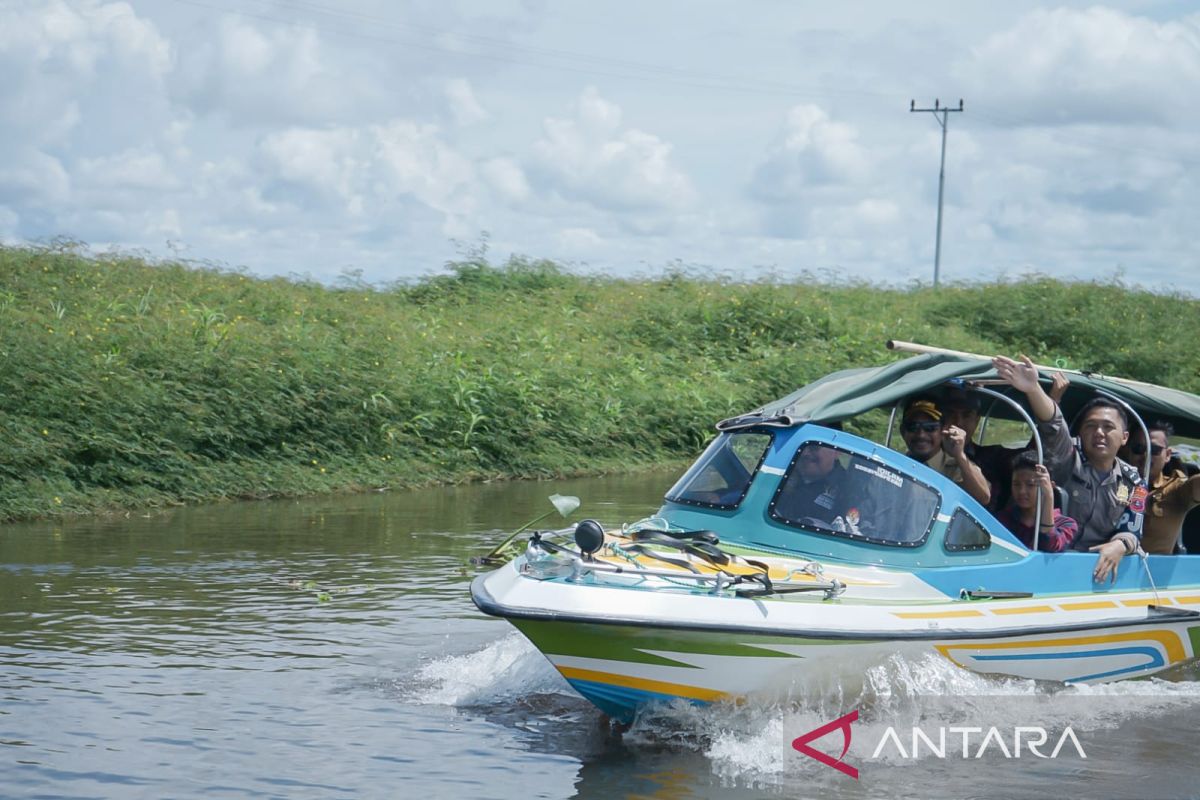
x=127, y=383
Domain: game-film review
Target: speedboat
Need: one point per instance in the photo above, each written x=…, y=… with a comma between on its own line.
x=731, y=589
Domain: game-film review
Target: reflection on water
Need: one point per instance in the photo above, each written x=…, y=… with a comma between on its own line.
x=329, y=648
x=267, y=649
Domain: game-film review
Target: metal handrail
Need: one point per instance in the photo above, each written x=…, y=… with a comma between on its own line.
x=1037, y=440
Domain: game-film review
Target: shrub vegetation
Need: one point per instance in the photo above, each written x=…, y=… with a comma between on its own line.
x=129, y=384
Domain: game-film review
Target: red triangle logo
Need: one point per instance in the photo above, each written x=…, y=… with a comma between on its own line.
x=800, y=744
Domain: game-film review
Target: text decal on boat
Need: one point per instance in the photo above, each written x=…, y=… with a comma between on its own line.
x=880, y=472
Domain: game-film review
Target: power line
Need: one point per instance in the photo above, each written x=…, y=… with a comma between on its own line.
x=944, y=111
x=493, y=49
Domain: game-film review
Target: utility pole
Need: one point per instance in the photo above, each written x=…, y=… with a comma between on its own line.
x=944, y=111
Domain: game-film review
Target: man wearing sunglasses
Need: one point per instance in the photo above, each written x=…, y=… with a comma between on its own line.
x=1173, y=493
x=941, y=447
x=1107, y=495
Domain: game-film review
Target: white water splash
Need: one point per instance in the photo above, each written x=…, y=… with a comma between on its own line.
x=749, y=743
x=740, y=753
x=507, y=669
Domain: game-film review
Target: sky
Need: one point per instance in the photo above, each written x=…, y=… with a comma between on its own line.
x=381, y=139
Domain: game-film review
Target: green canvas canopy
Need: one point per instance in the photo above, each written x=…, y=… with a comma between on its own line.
x=851, y=392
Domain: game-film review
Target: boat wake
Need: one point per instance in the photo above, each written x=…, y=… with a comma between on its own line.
x=748, y=742
x=506, y=670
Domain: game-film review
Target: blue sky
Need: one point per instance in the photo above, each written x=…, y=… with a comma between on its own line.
x=750, y=139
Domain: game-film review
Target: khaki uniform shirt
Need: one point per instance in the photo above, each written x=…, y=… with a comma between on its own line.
x=1100, y=503
x=945, y=464
x=1172, y=496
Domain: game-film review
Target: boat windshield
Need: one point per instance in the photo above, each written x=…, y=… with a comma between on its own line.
x=834, y=491
x=722, y=474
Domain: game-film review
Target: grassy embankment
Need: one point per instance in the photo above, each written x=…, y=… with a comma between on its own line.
x=127, y=384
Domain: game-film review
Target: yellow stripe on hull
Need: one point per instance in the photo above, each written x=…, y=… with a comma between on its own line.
x=643, y=684
x=1172, y=643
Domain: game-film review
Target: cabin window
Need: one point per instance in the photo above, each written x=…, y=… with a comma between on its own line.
x=833, y=491
x=722, y=474
x=964, y=533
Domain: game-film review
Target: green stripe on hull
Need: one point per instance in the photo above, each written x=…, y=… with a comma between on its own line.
x=1194, y=635
x=629, y=642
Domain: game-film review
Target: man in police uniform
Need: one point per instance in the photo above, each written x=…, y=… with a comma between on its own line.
x=815, y=491
x=1107, y=495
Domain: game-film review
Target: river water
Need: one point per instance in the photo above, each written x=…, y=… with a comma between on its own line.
x=329, y=648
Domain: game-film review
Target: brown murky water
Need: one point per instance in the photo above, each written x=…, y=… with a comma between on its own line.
x=329, y=648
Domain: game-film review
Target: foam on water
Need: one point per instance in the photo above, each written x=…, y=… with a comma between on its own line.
x=506, y=669
x=748, y=742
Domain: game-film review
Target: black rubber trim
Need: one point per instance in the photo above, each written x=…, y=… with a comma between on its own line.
x=488, y=605
x=843, y=534
x=749, y=480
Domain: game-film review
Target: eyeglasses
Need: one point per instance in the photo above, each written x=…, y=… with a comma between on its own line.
x=924, y=427
x=1140, y=449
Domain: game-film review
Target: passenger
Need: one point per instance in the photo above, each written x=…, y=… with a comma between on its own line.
x=960, y=407
x=815, y=491
x=1107, y=496
x=941, y=447
x=1029, y=478
x=1173, y=493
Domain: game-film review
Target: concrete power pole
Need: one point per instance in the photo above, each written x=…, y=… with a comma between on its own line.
x=944, y=112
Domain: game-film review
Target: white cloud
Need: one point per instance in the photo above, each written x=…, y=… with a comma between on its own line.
x=464, y=108
x=592, y=158
x=877, y=211
x=1069, y=66
x=330, y=162
x=309, y=140
x=812, y=151
x=506, y=178
x=59, y=61
x=579, y=240
x=365, y=171
x=138, y=169
x=33, y=177
x=284, y=74
x=421, y=164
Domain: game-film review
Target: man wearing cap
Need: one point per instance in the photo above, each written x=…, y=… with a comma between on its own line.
x=960, y=408
x=941, y=447
x=1107, y=495
x=1173, y=493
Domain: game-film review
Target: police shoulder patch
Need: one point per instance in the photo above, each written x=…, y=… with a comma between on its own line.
x=1137, y=502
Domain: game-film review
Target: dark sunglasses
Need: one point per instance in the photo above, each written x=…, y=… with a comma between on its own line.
x=926, y=427
x=1140, y=449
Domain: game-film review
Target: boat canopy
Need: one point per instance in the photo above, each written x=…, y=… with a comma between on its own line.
x=851, y=392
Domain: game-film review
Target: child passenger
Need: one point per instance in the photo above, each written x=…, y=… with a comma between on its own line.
x=1057, y=531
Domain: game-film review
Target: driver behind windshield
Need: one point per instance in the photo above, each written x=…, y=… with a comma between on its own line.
x=815, y=492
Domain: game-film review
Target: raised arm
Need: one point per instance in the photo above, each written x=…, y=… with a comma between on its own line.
x=1056, y=439
x=954, y=440
x=1023, y=376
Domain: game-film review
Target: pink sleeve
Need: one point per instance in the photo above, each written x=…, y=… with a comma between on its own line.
x=1065, y=530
